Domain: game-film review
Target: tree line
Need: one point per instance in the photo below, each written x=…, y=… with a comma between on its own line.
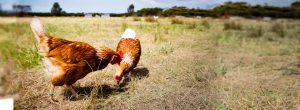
x=227, y=9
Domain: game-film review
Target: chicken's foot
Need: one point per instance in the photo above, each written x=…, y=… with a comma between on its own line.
x=72, y=90
x=50, y=94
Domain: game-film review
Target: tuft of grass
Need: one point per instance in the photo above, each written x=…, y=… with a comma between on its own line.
x=124, y=26
x=192, y=25
x=255, y=31
x=136, y=19
x=279, y=29
x=206, y=74
x=23, y=57
x=158, y=35
x=166, y=49
x=231, y=25
x=206, y=24
x=176, y=21
x=150, y=19
x=220, y=69
x=291, y=69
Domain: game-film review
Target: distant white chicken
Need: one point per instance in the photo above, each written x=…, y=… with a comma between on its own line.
x=155, y=17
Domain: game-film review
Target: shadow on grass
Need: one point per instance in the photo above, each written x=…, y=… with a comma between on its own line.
x=140, y=72
x=291, y=69
x=103, y=91
x=137, y=73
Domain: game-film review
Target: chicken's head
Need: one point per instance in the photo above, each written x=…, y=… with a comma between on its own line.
x=115, y=59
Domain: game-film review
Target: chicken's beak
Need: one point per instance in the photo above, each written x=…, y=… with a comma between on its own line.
x=118, y=79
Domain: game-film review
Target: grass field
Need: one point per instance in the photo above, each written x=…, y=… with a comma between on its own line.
x=185, y=64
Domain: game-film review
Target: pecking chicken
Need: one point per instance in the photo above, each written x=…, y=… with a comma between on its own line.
x=68, y=61
x=129, y=50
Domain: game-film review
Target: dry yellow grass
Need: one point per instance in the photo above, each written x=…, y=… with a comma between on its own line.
x=194, y=65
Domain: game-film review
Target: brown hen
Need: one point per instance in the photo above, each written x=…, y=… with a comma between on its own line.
x=129, y=50
x=68, y=61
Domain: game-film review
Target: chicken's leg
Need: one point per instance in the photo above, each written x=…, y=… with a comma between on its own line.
x=127, y=77
x=50, y=94
x=72, y=90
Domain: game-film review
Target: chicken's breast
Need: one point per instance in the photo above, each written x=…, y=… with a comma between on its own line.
x=130, y=50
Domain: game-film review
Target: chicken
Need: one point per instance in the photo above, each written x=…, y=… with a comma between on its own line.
x=129, y=50
x=68, y=61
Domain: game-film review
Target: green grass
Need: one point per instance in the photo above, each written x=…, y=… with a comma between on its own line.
x=18, y=49
x=196, y=64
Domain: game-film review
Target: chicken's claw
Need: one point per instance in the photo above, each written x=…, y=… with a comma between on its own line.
x=52, y=100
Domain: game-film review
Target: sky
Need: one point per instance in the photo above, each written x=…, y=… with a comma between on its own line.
x=120, y=6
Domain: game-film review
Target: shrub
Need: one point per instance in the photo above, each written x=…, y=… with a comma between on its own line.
x=278, y=29
x=150, y=19
x=205, y=23
x=136, y=19
x=176, y=21
x=232, y=26
x=192, y=25
x=255, y=32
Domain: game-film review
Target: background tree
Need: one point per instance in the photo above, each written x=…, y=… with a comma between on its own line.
x=130, y=9
x=149, y=11
x=21, y=10
x=233, y=8
x=182, y=11
x=226, y=10
x=56, y=10
x=296, y=9
x=296, y=5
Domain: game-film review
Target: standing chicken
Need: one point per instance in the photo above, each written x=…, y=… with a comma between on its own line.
x=68, y=61
x=129, y=50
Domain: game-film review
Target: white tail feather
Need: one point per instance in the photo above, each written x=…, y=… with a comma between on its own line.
x=129, y=33
x=37, y=28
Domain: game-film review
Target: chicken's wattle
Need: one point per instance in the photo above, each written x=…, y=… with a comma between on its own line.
x=120, y=55
x=118, y=58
